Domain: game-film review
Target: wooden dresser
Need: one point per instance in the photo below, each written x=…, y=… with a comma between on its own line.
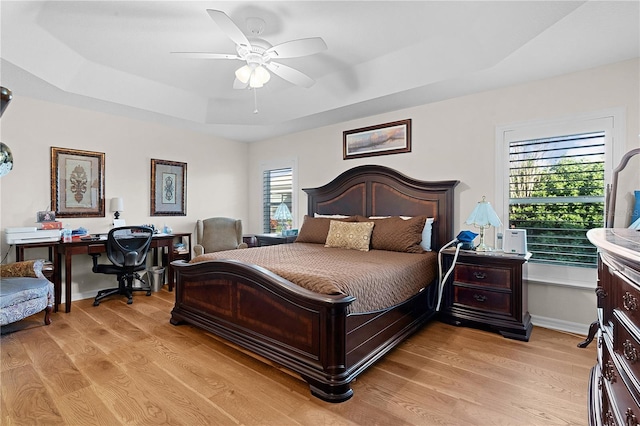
x=614, y=387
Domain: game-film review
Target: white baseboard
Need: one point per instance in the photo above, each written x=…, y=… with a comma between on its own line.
x=561, y=325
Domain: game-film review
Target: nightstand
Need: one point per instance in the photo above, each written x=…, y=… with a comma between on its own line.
x=486, y=290
x=274, y=239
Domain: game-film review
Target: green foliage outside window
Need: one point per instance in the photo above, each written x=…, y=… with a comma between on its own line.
x=557, y=204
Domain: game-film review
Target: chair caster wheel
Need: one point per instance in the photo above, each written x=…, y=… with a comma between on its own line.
x=96, y=303
x=129, y=301
x=148, y=293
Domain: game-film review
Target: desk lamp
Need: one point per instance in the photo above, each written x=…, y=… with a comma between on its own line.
x=282, y=214
x=482, y=217
x=116, y=206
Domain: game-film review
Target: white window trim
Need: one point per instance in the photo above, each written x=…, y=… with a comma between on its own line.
x=612, y=121
x=281, y=164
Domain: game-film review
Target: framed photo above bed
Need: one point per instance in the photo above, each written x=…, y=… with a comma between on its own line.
x=77, y=183
x=383, y=139
x=168, y=188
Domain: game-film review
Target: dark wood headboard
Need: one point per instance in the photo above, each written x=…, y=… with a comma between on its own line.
x=374, y=190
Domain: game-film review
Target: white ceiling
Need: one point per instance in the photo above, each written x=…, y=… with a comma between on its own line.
x=113, y=56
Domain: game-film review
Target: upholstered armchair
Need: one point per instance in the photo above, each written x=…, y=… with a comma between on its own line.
x=25, y=291
x=218, y=234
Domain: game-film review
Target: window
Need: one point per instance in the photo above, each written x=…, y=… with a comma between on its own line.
x=556, y=193
x=277, y=189
x=551, y=177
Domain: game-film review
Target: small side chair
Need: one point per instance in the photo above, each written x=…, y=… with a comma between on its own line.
x=218, y=234
x=127, y=249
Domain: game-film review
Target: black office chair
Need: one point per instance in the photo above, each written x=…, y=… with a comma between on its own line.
x=127, y=248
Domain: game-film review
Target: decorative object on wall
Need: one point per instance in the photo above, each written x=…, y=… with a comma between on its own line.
x=168, y=188
x=77, y=182
x=388, y=138
x=483, y=217
x=6, y=158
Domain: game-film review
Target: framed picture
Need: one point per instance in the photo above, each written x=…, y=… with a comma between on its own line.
x=388, y=138
x=77, y=183
x=168, y=188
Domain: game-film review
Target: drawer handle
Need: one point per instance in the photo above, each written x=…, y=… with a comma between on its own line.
x=480, y=275
x=601, y=293
x=630, y=352
x=629, y=302
x=630, y=418
x=609, y=372
x=608, y=419
x=480, y=297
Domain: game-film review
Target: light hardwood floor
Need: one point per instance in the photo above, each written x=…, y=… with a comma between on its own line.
x=126, y=364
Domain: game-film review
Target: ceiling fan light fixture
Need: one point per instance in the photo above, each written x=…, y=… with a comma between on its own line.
x=262, y=74
x=244, y=73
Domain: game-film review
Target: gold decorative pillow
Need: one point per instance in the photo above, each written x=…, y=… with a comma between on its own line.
x=315, y=229
x=26, y=268
x=397, y=234
x=349, y=235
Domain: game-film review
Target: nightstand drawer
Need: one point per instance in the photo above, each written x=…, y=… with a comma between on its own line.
x=489, y=277
x=488, y=301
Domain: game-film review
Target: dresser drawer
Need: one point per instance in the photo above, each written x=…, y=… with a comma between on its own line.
x=488, y=277
x=485, y=300
x=619, y=400
x=625, y=344
x=627, y=297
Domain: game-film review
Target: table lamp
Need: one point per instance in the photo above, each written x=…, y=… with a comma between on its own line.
x=116, y=206
x=482, y=217
x=282, y=214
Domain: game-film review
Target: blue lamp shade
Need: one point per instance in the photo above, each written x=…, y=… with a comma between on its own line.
x=282, y=213
x=483, y=216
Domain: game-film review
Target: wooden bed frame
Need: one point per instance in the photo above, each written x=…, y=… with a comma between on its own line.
x=312, y=334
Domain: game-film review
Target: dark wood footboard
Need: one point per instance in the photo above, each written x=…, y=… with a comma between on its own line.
x=309, y=333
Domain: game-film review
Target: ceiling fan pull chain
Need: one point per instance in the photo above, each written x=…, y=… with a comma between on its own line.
x=255, y=101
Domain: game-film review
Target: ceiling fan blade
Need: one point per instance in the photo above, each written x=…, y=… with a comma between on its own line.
x=205, y=55
x=229, y=27
x=292, y=75
x=297, y=48
x=237, y=84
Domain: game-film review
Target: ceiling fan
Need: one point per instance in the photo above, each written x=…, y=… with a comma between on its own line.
x=259, y=54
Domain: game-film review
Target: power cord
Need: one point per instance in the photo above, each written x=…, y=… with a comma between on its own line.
x=453, y=264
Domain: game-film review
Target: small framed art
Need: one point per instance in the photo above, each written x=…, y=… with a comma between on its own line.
x=77, y=183
x=168, y=188
x=382, y=139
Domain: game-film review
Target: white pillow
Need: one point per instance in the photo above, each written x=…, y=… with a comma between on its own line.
x=426, y=231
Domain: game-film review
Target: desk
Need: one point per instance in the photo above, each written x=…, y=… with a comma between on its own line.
x=67, y=250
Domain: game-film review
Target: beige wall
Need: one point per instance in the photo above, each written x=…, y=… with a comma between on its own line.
x=216, y=171
x=455, y=139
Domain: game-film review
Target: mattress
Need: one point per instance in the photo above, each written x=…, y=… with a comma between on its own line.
x=378, y=279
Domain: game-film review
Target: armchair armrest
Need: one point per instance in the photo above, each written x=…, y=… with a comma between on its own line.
x=26, y=268
x=198, y=249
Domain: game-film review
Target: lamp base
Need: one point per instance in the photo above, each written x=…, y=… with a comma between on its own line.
x=483, y=247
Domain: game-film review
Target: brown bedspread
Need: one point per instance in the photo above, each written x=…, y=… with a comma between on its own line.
x=378, y=279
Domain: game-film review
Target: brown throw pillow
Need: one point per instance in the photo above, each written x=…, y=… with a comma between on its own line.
x=315, y=229
x=397, y=234
x=355, y=235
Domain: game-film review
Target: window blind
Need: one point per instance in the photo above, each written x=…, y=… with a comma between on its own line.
x=556, y=193
x=277, y=188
